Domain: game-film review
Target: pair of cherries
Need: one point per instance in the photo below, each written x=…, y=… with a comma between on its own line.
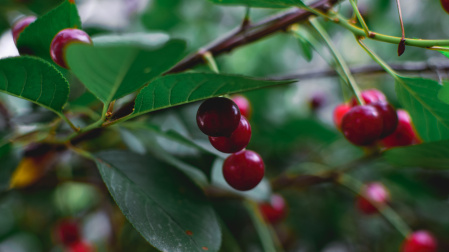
x=377, y=120
x=230, y=132
x=376, y=193
x=59, y=42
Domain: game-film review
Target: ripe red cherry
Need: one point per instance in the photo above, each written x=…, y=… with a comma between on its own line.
x=275, y=210
x=218, y=117
x=369, y=96
x=243, y=170
x=404, y=134
x=374, y=192
x=362, y=125
x=420, y=241
x=243, y=104
x=238, y=140
x=339, y=112
x=68, y=232
x=389, y=117
x=445, y=5
x=20, y=25
x=81, y=246
x=317, y=101
x=62, y=40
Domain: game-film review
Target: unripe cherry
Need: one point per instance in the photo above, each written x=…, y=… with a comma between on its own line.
x=338, y=114
x=218, y=117
x=62, y=40
x=372, y=192
x=243, y=104
x=275, y=210
x=362, y=125
x=420, y=241
x=243, y=170
x=20, y=25
x=238, y=140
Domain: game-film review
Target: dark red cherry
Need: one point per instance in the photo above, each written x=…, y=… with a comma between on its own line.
x=20, y=25
x=445, y=5
x=243, y=104
x=369, y=96
x=218, y=117
x=238, y=140
x=404, y=134
x=339, y=112
x=317, y=101
x=68, y=232
x=373, y=192
x=389, y=117
x=420, y=241
x=275, y=210
x=62, y=40
x=243, y=170
x=362, y=125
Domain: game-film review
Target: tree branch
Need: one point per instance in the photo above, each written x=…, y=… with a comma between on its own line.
x=251, y=33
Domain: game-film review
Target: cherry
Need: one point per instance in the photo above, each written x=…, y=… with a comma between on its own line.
x=238, y=140
x=317, y=101
x=68, y=232
x=445, y=5
x=339, y=112
x=243, y=104
x=275, y=210
x=20, y=25
x=369, y=96
x=372, y=192
x=243, y=170
x=362, y=125
x=389, y=117
x=420, y=241
x=62, y=40
x=81, y=246
x=404, y=134
x=218, y=117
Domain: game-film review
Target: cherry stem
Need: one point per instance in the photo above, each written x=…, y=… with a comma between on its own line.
x=400, y=19
x=360, y=18
x=64, y=117
x=339, y=59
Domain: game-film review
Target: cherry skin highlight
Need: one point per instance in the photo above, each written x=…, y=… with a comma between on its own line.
x=62, y=40
x=243, y=170
x=404, y=134
x=369, y=96
x=339, y=112
x=218, y=117
x=238, y=140
x=389, y=117
x=420, y=241
x=68, y=232
x=20, y=25
x=362, y=125
x=375, y=192
x=275, y=210
x=243, y=104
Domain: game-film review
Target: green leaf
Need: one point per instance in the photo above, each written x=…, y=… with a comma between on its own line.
x=35, y=80
x=430, y=155
x=37, y=37
x=178, y=89
x=306, y=42
x=168, y=210
x=115, y=66
x=420, y=98
x=443, y=95
x=261, y=192
x=262, y=3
